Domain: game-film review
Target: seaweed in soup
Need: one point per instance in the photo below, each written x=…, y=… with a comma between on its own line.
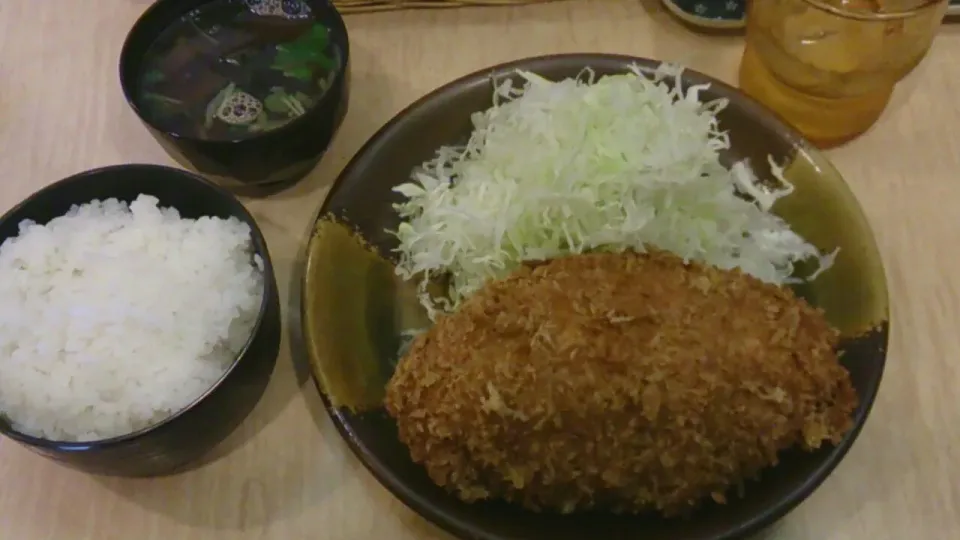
x=234, y=68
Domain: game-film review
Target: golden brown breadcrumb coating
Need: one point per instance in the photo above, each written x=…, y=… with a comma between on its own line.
x=629, y=382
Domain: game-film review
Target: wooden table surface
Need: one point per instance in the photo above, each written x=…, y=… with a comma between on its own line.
x=285, y=474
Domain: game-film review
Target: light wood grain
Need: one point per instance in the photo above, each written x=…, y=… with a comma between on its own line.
x=286, y=474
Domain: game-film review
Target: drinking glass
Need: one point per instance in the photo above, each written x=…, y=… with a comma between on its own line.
x=828, y=67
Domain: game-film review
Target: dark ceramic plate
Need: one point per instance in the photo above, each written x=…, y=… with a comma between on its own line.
x=353, y=308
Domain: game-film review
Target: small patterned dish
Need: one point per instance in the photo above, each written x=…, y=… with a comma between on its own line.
x=716, y=14
x=727, y=14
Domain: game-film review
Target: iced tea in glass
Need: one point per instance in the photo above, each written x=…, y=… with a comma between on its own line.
x=828, y=67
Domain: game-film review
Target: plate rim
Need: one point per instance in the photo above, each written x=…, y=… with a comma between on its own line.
x=465, y=530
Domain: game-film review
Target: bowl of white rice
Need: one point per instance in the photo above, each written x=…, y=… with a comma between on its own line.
x=139, y=319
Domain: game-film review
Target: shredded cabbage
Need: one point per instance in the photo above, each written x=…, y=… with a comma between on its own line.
x=620, y=162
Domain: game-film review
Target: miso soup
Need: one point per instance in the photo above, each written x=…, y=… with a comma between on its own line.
x=234, y=68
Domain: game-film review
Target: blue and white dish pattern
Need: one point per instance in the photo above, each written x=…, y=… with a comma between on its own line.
x=732, y=13
x=710, y=13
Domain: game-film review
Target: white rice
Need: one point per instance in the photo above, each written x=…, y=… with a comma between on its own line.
x=115, y=316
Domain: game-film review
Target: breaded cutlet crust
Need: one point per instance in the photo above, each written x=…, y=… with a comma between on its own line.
x=629, y=382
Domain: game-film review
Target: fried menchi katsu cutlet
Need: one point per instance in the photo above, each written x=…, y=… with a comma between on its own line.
x=628, y=382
